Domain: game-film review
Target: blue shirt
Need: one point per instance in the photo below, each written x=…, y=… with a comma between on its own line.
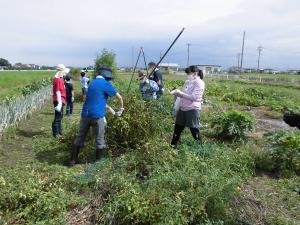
x=95, y=103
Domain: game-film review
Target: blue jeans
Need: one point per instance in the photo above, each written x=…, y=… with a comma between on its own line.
x=56, y=124
x=69, y=108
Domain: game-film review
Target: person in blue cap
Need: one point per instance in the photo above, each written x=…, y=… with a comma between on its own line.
x=93, y=112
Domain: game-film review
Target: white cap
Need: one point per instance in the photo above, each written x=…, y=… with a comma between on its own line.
x=61, y=67
x=67, y=70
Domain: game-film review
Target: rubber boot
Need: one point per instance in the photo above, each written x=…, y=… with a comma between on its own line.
x=74, y=155
x=99, y=154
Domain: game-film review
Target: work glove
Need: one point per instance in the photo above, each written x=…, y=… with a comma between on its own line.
x=105, y=122
x=58, y=107
x=72, y=99
x=111, y=110
x=120, y=112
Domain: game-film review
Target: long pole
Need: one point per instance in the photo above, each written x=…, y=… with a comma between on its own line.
x=138, y=58
x=242, y=57
x=142, y=49
x=166, y=52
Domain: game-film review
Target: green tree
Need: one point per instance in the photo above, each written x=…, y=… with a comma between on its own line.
x=106, y=58
x=4, y=62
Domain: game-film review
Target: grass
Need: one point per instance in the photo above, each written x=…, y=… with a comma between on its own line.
x=288, y=76
x=12, y=81
x=265, y=200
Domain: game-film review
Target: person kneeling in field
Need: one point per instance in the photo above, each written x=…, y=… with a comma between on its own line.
x=148, y=88
x=190, y=105
x=93, y=112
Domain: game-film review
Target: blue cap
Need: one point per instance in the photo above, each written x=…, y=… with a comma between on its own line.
x=105, y=71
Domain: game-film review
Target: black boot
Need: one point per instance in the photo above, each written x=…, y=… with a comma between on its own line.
x=196, y=135
x=99, y=154
x=74, y=155
x=176, y=135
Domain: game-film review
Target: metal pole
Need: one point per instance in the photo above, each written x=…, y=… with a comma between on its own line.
x=188, y=56
x=259, y=49
x=242, y=57
x=166, y=52
x=146, y=67
x=134, y=70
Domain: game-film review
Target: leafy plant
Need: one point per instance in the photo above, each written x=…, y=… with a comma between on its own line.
x=233, y=124
x=37, y=194
x=285, y=152
x=139, y=124
x=35, y=86
x=106, y=57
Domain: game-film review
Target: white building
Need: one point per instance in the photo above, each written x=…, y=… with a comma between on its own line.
x=210, y=69
x=169, y=66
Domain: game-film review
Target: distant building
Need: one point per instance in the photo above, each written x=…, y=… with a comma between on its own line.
x=249, y=70
x=34, y=67
x=270, y=71
x=1, y=68
x=293, y=71
x=210, y=69
x=169, y=66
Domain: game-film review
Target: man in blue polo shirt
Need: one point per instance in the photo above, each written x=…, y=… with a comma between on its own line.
x=93, y=112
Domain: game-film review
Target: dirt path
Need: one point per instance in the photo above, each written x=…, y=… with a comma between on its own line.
x=16, y=143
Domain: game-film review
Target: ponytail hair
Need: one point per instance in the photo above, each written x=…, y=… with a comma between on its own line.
x=195, y=69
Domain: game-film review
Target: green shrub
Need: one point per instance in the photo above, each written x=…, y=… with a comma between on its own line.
x=233, y=124
x=157, y=185
x=35, y=86
x=139, y=123
x=284, y=155
x=108, y=58
x=75, y=73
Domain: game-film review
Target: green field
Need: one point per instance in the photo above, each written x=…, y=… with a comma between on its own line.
x=288, y=76
x=12, y=81
x=142, y=180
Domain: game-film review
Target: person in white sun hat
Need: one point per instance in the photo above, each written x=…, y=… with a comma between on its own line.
x=59, y=98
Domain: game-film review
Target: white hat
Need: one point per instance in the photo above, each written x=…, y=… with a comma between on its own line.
x=67, y=70
x=61, y=67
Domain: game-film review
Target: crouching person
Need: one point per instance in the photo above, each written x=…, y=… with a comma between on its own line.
x=93, y=112
x=148, y=88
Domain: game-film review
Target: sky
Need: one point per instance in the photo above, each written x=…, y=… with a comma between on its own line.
x=73, y=32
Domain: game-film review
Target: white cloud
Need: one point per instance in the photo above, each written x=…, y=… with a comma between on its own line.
x=73, y=30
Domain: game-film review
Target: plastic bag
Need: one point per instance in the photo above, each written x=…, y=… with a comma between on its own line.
x=176, y=105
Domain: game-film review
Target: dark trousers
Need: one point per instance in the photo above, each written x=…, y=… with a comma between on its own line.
x=69, y=108
x=56, y=124
x=178, y=130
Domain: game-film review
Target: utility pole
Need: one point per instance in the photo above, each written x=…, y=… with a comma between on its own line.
x=243, y=45
x=238, y=56
x=259, y=49
x=188, y=55
x=132, y=56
